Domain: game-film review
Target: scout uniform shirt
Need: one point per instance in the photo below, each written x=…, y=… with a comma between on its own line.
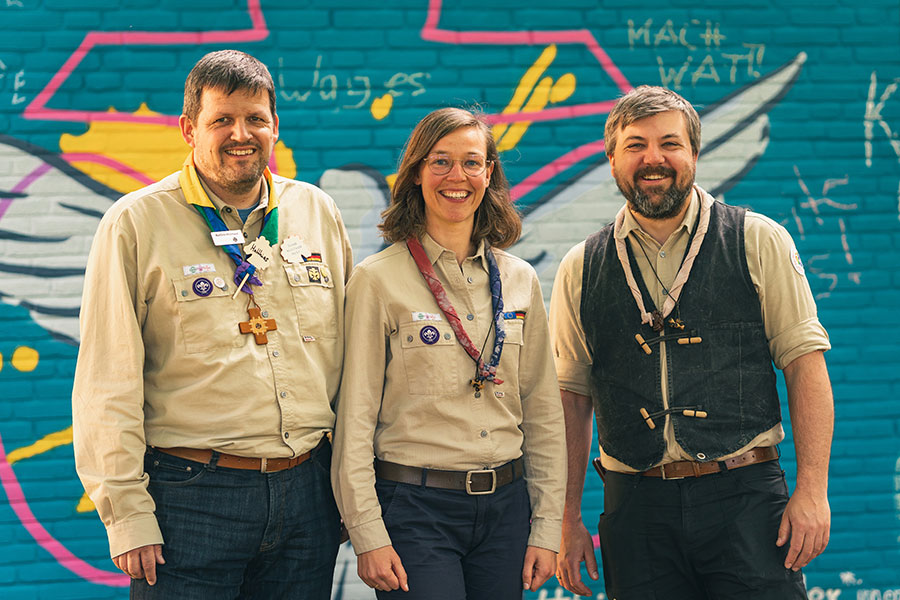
x=788, y=307
x=162, y=361
x=406, y=398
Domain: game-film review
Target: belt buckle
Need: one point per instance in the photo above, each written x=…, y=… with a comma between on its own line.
x=662, y=469
x=469, y=475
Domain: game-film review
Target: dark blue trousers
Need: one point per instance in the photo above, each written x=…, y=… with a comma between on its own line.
x=455, y=546
x=699, y=538
x=232, y=533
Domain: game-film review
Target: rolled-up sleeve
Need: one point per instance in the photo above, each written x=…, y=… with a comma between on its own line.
x=570, y=349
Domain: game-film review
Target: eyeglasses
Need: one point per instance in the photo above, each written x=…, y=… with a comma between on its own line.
x=440, y=164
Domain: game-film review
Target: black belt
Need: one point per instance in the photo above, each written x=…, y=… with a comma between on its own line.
x=475, y=483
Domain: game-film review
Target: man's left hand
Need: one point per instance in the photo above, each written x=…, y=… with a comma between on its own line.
x=807, y=522
x=540, y=564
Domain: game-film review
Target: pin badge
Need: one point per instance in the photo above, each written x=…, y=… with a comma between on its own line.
x=293, y=250
x=219, y=283
x=315, y=276
x=429, y=334
x=202, y=287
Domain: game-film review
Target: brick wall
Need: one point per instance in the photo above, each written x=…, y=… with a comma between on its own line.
x=810, y=140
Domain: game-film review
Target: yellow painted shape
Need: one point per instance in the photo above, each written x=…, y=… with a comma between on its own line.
x=390, y=181
x=25, y=359
x=381, y=106
x=563, y=88
x=1, y=361
x=85, y=504
x=537, y=102
x=152, y=150
x=45, y=444
x=526, y=84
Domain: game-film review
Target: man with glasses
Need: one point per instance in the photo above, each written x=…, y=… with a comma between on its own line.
x=665, y=325
x=211, y=349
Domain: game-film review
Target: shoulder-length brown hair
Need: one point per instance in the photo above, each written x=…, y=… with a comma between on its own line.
x=496, y=220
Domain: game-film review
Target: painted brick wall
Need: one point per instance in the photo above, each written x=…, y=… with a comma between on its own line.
x=800, y=111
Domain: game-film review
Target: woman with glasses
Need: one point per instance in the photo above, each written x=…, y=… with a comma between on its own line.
x=449, y=385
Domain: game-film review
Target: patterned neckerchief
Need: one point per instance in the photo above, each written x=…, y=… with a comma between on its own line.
x=484, y=371
x=196, y=197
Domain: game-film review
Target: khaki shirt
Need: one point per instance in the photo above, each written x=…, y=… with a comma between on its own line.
x=411, y=403
x=160, y=364
x=788, y=307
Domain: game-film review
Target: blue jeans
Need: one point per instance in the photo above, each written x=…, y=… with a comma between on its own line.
x=454, y=546
x=232, y=533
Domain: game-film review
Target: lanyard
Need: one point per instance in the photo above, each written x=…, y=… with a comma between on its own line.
x=484, y=371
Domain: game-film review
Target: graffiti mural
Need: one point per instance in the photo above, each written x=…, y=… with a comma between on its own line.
x=801, y=117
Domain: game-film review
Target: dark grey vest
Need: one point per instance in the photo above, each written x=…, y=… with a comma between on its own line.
x=728, y=375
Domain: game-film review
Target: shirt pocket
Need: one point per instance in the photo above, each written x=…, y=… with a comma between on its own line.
x=508, y=370
x=430, y=358
x=207, y=314
x=312, y=288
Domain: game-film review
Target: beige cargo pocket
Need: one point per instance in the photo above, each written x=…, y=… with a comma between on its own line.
x=312, y=288
x=209, y=317
x=429, y=357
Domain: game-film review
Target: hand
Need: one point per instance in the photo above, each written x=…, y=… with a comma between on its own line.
x=381, y=569
x=807, y=521
x=540, y=564
x=576, y=547
x=141, y=562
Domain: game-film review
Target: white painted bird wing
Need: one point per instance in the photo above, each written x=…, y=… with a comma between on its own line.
x=735, y=135
x=49, y=212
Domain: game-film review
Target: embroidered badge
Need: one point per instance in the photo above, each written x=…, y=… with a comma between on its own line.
x=424, y=316
x=197, y=269
x=429, y=334
x=202, y=286
x=315, y=276
x=314, y=257
x=795, y=260
x=514, y=315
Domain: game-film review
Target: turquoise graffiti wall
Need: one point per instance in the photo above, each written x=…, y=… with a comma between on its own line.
x=800, y=112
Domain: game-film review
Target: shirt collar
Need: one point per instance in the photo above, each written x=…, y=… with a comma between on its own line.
x=221, y=204
x=434, y=251
x=687, y=223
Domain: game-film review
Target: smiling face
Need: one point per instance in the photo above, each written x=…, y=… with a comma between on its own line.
x=452, y=199
x=654, y=166
x=233, y=138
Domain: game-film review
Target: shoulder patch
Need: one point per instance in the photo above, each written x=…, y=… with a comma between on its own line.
x=795, y=260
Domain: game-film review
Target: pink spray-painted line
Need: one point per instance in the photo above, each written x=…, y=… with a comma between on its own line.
x=431, y=32
x=108, y=162
x=23, y=185
x=62, y=554
x=37, y=108
x=596, y=539
x=553, y=114
x=555, y=167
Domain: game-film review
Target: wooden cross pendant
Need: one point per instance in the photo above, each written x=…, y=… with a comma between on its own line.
x=257, y=325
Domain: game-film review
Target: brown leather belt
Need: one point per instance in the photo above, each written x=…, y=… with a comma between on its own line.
x=230, y=461
x=475, y=483
x=688, y=468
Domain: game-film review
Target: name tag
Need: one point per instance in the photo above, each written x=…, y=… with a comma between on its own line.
x=223, y=238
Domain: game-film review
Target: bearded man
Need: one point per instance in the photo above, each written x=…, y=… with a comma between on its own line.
x=211, y=352
x=665, y=325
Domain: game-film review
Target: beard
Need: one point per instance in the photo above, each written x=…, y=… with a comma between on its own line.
x=657, y=205
x=242, y=179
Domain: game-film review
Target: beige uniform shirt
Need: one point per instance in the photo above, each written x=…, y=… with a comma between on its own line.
x=788, y=307
x=160, y=364
x=411, y=403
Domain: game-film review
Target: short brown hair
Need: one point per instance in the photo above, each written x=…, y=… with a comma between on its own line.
x=496, y=220
x=646, y=101
x=229, y=71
